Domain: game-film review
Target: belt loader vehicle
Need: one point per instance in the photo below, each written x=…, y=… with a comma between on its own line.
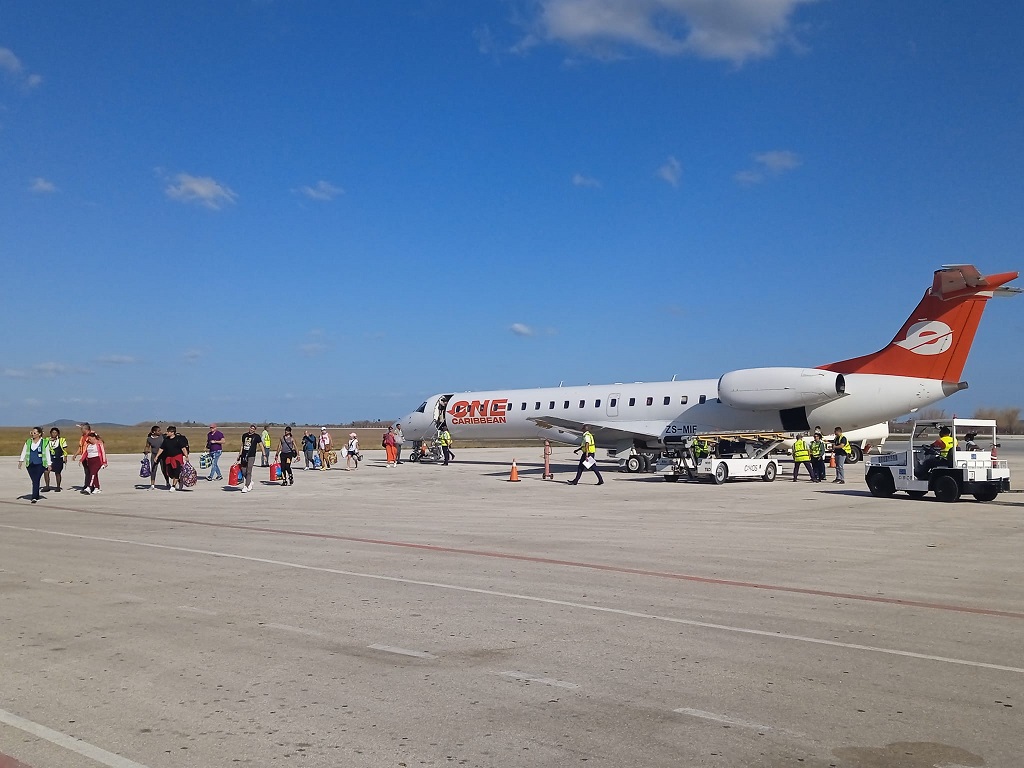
x=969, y=468
x=723, y=457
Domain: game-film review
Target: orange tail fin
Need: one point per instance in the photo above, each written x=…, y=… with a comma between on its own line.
x=935, y=340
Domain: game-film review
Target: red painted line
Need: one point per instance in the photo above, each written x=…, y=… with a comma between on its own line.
x=566, y=563
x=6, y=761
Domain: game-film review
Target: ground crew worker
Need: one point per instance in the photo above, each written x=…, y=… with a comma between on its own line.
x=587, y=450
x=840, y=450
x=265, y=440
x=444, y=437
x=817, y=450
x=801, y=456
x=943, y=447
x=701, y=448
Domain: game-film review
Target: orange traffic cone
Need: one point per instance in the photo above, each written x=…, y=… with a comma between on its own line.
x=513, y=476
x=832, y=462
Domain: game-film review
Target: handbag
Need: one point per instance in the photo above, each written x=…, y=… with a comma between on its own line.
x=146, y=469
x=188, y=475
x=205, y=461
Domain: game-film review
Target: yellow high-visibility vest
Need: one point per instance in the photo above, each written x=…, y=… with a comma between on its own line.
x=947, y=446
x=589, y=447
x=800, y=452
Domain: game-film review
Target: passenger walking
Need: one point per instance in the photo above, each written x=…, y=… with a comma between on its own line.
x=352, y=451
x=58, y=455
x=265, y=438
x=399, y=439
x=35, y=457
x=154, y=441
x=801, y=456
x=308, y=448
x=82, y=442
x=444, y=437
x=840, y=450
x=286, y=453
x=588, y=457
x=173, y=452
x=389, y=446
x=94, y=458
x=817, y=450
x=325, y=449
x=214, y=446
x=251, y=443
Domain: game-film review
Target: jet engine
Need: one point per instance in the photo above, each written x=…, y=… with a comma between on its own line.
x=770, y=389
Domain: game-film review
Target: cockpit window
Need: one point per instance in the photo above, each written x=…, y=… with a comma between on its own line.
x=422, y=408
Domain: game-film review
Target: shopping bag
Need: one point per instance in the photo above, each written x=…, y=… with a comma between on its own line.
x=275, y=471
x=234, y=475
x=316, y=461
x=188, y=475
x=146, y=469
x=205, y=461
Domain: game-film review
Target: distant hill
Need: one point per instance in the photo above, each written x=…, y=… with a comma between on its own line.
x=65, y=423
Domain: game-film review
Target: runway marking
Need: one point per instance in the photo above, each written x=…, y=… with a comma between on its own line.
x=534, y=599
x=67, y=742
x=402, y=651
x=570, y=564
x=525, y=678
x=296, y=630
x=700, y=713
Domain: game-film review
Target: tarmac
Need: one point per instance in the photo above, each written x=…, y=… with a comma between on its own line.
x=425, y=615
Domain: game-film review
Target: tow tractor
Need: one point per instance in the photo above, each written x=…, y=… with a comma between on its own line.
x=727, y=457
x=969, y=468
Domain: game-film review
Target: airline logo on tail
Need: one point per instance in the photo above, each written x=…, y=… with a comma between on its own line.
x=931, y=337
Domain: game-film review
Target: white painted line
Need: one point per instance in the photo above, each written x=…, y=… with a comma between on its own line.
x=525, y=678
x=203, y=611
x=296, y=630
x=535, y=599
x=700, y=713
x=125, y=597
x=69, y=743
x=402, y=651
x=49, y=581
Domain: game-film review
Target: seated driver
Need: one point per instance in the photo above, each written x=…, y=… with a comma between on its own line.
x=944, y=448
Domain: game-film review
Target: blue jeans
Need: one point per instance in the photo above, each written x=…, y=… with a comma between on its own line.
x=840, y=466
x=215, y=468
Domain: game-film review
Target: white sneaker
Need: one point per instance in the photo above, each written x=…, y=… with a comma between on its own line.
x=92, y=490
x=172, y=489
x=245, y=489
x=95, y=490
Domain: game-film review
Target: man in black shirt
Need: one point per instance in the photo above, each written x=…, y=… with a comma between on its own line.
x=251, y=443
x=173, y=451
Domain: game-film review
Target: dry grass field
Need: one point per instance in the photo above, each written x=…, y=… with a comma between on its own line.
x=133, y=439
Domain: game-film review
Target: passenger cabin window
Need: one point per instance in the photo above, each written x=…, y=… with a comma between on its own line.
x=566, y=405
x=683, y=399
x=536, y=406
x=551, y=405
x=703, y=399
x=583, y=403
x=597, y=403
x=508, y=407
x=650, y=401
x=632, y=401
x=613, y=402
x=667, y=401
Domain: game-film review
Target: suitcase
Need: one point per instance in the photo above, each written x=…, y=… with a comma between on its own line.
x=275, y=472
x=234, y=474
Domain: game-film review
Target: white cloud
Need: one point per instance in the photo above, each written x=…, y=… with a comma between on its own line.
x=43, y=370
x=41, y=186
x=322, y=190
x=12, y=66
x=15, y=373
x=579, y=180
x=671, y=171
x=520, y=329
x=192, y=355
x=117, y=360
x=200, y=189
x=773, y=163
x=732, y=30
x=313, y=348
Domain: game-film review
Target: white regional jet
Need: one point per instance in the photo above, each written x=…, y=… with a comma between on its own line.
x=920, y=366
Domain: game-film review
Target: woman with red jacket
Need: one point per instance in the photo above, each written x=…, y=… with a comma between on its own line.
x=94, y=458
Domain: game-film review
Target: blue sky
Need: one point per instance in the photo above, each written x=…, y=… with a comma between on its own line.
x=323, y=211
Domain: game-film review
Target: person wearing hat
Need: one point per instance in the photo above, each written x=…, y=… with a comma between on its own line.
x=352, y=451
x=817, y=449
x=214, y=446
x=325, y=448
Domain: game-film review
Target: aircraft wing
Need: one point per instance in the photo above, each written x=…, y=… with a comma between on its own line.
x=607, y=434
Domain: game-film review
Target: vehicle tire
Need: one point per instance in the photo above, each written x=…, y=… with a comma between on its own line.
x=917, y=494
x=880, y=483
x=947, y=488
x=671, y=478
x=856, y=454
x=634, y=463
x=721, y=473
x=987, y=494
x=770, y=472
x=414, y=456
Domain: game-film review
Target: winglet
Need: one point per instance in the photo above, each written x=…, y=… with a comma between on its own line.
x=935, y=340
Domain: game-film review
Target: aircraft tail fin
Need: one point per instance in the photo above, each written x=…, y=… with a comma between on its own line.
x=934, y=341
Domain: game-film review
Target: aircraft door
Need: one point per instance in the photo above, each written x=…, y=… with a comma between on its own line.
x=612, y=409
x=439, y=409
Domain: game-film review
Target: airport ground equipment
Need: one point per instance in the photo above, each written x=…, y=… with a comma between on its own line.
x=971, y=467
x=731, y=456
